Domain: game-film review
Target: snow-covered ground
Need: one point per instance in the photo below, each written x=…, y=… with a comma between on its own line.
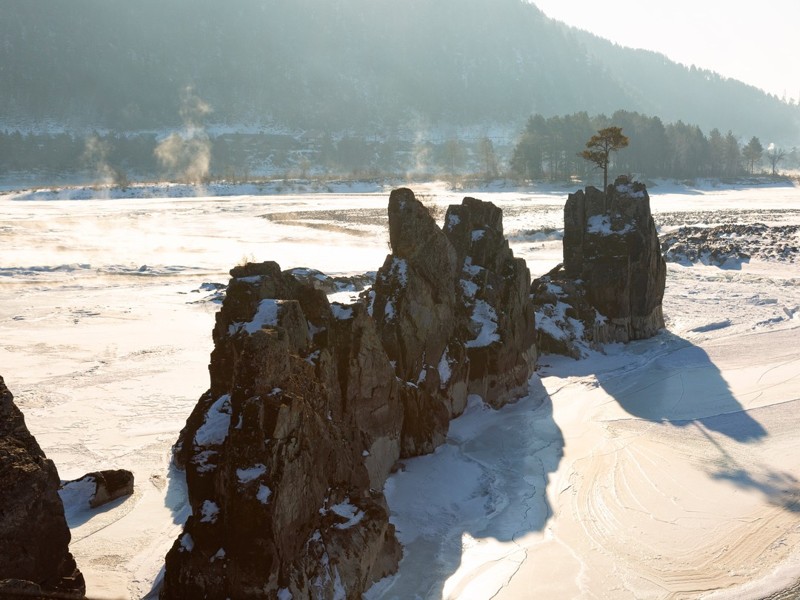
x=668, y=468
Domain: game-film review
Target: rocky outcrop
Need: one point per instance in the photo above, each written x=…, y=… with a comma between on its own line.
x=276, y=451
x=454, y=312
x=611, y=284
x=34, y=537
x=311, y=404
x=501, y=345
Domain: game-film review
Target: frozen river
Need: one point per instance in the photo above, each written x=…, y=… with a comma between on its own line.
x=668, y=468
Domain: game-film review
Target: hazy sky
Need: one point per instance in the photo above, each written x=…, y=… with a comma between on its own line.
x=755, y=42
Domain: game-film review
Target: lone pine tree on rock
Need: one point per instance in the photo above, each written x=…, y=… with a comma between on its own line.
x=601, y=145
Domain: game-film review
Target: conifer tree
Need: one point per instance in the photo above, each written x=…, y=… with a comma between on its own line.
x=601, y=145
x=752, y=152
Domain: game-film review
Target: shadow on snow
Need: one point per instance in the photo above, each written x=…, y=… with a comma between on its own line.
x=487, y=482
x=684, y=388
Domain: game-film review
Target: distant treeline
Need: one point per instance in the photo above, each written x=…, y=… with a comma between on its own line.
x=546, y=150
x=195, y=155
x=549, y=149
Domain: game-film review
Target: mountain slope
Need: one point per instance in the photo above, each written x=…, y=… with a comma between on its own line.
x=366, y=64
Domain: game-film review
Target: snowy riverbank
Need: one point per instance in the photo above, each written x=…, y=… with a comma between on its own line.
x=666, y=469
x=288, y=187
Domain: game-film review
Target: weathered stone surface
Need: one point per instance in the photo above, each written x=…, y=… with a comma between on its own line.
x=417, y=312
x=34, y=537
x=454, y=313
x=300, y=427
x=311, y=404
x=502, y=350
x=613, y=278
x=331, y=285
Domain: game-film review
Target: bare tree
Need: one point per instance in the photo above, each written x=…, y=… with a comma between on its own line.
x=775, y=155
x=488, y=158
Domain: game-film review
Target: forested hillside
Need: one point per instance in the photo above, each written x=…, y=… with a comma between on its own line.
x=365, y=66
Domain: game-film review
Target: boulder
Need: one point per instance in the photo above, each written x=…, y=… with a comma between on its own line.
x=612, y=264
x=105, y=485
x=34, y=536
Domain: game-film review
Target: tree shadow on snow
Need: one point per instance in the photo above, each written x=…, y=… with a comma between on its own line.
x=486, y=484
x=684, y=388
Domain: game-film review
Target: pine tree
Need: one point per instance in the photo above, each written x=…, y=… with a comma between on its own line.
x=752, y=153
x=601, y=145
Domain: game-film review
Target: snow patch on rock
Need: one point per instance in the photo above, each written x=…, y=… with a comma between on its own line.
x=214, y=429
x=251, y=473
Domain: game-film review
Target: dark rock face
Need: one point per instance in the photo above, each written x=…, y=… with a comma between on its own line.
x=276, y=452
x=34, y=537
x=311, y=404
x=612, y=264
x=108, y=485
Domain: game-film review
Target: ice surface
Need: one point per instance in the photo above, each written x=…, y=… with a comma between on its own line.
x=666, y=468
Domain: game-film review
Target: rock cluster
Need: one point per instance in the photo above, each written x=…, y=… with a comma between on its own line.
x=34, y=537
x=730, y=245
x=611, y=284
x=454, y=313
x=311, y=404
